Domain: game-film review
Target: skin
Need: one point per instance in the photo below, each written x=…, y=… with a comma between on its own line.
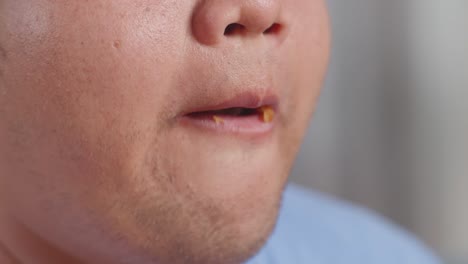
x=94, y=165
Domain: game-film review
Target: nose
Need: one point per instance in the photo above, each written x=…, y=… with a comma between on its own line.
x=215, y=21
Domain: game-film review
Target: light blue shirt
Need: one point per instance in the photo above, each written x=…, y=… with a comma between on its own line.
x=315, y=229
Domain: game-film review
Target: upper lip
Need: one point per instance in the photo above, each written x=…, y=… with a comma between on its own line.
x=247, y=99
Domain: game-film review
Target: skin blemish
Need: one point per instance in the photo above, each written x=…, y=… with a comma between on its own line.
x=117, y=44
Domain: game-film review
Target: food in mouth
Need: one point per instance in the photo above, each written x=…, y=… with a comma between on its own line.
x=218, y=120
x=267, y=113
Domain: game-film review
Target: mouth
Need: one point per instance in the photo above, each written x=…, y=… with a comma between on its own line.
x=244, y=115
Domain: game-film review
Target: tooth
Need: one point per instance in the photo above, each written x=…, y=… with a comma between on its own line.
x=218, y=120
x=268, y=113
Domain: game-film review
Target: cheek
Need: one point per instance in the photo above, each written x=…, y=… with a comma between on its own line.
x=83, y=96
x=308, y=54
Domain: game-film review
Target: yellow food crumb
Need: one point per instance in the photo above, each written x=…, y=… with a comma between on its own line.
x=218, y=120
x=268, y=113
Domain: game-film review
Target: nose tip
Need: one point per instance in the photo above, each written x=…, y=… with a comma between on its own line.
x=216, y=20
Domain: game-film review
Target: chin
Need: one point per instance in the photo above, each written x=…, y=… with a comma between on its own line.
x=223, y=213
x=194, y=226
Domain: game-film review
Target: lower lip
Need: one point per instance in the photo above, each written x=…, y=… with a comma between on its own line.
x=250, y=126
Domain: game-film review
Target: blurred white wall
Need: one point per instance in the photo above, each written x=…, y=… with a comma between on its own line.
x=439, y=138
x=391, y=130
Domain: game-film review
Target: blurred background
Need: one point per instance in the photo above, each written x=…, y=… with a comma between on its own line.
x=391, y=129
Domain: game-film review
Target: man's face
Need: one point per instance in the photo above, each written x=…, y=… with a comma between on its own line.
x=117, y=133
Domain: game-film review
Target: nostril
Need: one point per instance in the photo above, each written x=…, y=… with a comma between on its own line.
x=273, y=29
x=233, y=28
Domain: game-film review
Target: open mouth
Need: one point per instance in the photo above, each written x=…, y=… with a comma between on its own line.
x=264, y=114
x=250, y=114
x=246, y=121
